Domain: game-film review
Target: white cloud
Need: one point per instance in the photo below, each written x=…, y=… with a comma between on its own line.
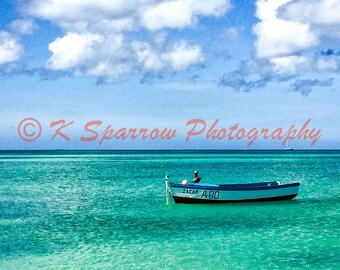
x=72, y=50
x=326, y=65
x=179, y=57
x=98, y=17
x=98, y=40
x=147, y=56
x=180, y=13
x=322, y=16
x=151, y=14
x=90, y=55
x=183, y=55
x=10, y=49
x=81, y=10
x=109, y=71
x=103, y=26
x=288, y=65
x=277, y=37
x=316, y=12
x=289, y=30
x=23, y=26
x=109, y=57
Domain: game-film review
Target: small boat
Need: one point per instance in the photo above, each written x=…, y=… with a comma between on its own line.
x=230, y=193
x=287, y=148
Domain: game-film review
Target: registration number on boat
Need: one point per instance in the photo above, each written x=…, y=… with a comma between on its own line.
x=211, y=194
x=206, y=194
x=190, y=191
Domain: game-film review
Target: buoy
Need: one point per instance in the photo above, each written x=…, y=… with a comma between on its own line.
x=185, y=182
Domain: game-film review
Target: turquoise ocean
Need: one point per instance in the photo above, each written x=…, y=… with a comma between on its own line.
x=106, y=210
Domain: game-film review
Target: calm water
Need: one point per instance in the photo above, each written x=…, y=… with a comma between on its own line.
x=106, y=210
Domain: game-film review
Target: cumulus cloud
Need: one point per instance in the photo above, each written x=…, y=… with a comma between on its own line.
x=180, y=13
x=182, y=55
x=151, y=14
x=147, y=56
x=289, y=30
x=72, y=50
x=277, y=37
x=10, y=49
x=74, y=9
x=315, y=12
x=306, y=86
x=288, y=65
x=98, y=39
x=179, y=57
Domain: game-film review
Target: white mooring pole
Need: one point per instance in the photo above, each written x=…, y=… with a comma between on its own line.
x=167, y=188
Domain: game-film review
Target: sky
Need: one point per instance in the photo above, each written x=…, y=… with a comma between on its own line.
x=158, y=64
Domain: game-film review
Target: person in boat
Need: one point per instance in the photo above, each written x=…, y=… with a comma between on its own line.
x=197, y=179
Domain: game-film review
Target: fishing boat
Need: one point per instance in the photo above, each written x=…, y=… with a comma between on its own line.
x=230, y=193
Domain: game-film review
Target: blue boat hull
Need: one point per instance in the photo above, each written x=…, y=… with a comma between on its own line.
x=193, y=200
x=231, y=193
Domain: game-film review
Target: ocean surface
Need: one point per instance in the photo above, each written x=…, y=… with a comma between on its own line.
x=106, y=210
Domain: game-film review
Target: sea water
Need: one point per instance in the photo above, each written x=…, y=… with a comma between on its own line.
x=106, y=210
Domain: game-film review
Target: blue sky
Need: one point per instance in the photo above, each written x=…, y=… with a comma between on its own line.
x=158, y=64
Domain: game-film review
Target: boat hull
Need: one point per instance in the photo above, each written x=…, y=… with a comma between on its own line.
x=199, y=193
x=178, y=199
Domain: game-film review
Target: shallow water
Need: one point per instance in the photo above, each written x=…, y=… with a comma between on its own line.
x=106, y=210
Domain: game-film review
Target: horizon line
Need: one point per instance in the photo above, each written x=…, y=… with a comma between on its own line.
x=203, y=149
